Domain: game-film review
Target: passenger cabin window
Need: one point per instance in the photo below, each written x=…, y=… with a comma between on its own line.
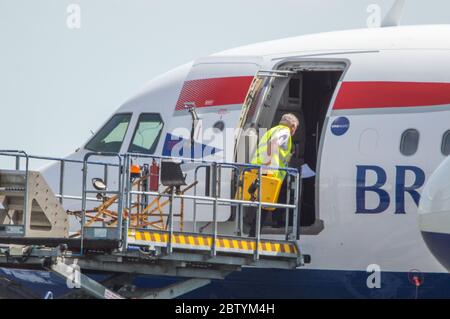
x=445, y=148
x=147, y=133
x=111, y=135
x=409, y=142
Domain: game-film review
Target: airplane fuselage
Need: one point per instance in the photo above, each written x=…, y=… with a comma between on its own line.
x=375, y=108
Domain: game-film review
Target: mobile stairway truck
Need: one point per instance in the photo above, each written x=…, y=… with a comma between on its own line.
x=136, y=230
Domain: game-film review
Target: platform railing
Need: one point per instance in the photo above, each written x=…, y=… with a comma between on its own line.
x=106, y=232
x=58, y=187
x=63, y=164
x=216, y=199
x=125, y=194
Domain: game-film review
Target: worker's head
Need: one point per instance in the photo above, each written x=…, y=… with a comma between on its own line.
x=291, y=121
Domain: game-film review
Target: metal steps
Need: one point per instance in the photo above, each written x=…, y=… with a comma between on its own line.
x=28, y=207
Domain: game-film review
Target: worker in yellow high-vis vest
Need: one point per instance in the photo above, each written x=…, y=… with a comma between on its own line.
x=274, y=150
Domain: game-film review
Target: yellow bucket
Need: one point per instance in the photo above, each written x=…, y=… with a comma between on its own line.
x=270, y=188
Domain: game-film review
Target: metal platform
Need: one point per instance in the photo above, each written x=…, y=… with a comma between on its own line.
x=201, y=242
x=34, y=231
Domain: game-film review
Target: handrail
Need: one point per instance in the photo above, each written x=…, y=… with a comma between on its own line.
x=221, y=200
x=125, y=192
x=192, y=160
x=49, y=158
x=291, y=170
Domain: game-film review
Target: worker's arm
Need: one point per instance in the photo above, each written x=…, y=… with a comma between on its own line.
x=279, y=140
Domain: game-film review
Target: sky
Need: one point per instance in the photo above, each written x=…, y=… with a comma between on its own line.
x=61, y=78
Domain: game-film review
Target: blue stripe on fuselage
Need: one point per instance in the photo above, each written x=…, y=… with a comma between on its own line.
x=273, y=283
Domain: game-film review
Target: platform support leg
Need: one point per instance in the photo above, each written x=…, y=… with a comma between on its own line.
x=76, y=280
x=177, y=289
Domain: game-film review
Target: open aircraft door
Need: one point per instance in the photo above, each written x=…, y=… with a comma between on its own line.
x=205, y=119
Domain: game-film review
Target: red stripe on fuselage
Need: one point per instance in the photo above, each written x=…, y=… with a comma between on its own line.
x=214, y=92
x=362, y=95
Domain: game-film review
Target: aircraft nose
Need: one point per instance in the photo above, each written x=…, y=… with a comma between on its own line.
x=434, y=213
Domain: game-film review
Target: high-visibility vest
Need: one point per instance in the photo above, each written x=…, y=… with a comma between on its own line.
x=279, y=157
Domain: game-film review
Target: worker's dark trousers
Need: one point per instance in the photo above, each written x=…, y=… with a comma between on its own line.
x=252, y=211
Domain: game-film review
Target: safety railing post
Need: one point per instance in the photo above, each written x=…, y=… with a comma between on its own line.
x=258, y=214
x=169, y=242
x=239, y=220
x=194, y=213
x=17, y=162
x=120, y=200
x=25, y=204
x=296, y=214
x=194, y=216
x=288, y=201
x=83, y=203
x=62, y=164
x=128, y=200
x=215, y=194
x=105, y=179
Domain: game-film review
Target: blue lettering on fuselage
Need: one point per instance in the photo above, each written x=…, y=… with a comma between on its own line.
x=362, y=189
x=384, y=199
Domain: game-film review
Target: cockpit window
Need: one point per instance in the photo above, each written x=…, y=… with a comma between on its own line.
x=111, y=135
x=147, y=133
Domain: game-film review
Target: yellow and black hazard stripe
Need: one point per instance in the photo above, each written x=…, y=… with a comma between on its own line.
x=147, y=237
